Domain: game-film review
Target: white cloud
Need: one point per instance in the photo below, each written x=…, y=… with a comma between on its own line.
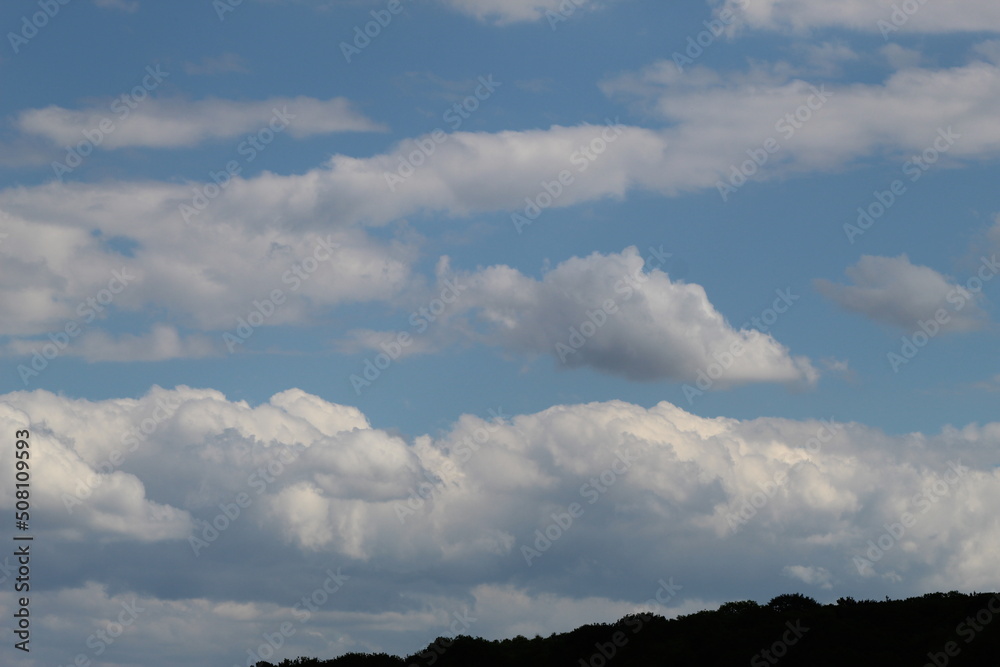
x=474, y=172
x=174, y=123
x=504, y=12
x=814, y=576
x=81, y=498
x=865, y=15
x=841, y=367
x=718, y=118
x=208, y=274
x=893, y=291
x=611, y=313
x=713, y=120
x=710, y=122
x=161, y=343
x=812, y=496
x=214, y=632
x=989, y=50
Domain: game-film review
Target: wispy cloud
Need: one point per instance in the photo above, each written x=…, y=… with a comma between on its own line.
x=177, y=123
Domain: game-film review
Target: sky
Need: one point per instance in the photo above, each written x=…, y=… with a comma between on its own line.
x=344, y=325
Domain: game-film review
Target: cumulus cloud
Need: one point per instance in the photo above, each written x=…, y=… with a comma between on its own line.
x=718, y=117
x=213, y=276
x=118, y=506
x=713, y=119
x=989, y=50
x=656, y=489
x=814, y=576
x=900, y=57
x=175, y=123
x=922, y=17
x=75, y=255
x=612, y=313
x=487, y=172
x=59, y=251
x=893, y=291
x=710, y=120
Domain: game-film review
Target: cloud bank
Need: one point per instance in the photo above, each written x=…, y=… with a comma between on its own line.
x=184, y=479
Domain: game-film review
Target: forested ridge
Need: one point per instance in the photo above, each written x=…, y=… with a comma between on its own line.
x=936, y=629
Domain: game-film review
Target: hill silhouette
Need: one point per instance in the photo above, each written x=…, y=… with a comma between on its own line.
x=936, y=630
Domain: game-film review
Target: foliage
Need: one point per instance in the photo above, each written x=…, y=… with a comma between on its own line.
x=850, y=632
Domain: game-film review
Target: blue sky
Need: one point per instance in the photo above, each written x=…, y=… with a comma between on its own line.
x=690, y=165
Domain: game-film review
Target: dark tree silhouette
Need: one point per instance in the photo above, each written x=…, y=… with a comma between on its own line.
x=952, y=629
x=790, y=603
x=739, y=608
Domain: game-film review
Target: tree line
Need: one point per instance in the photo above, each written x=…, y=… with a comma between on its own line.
x=934, y=630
